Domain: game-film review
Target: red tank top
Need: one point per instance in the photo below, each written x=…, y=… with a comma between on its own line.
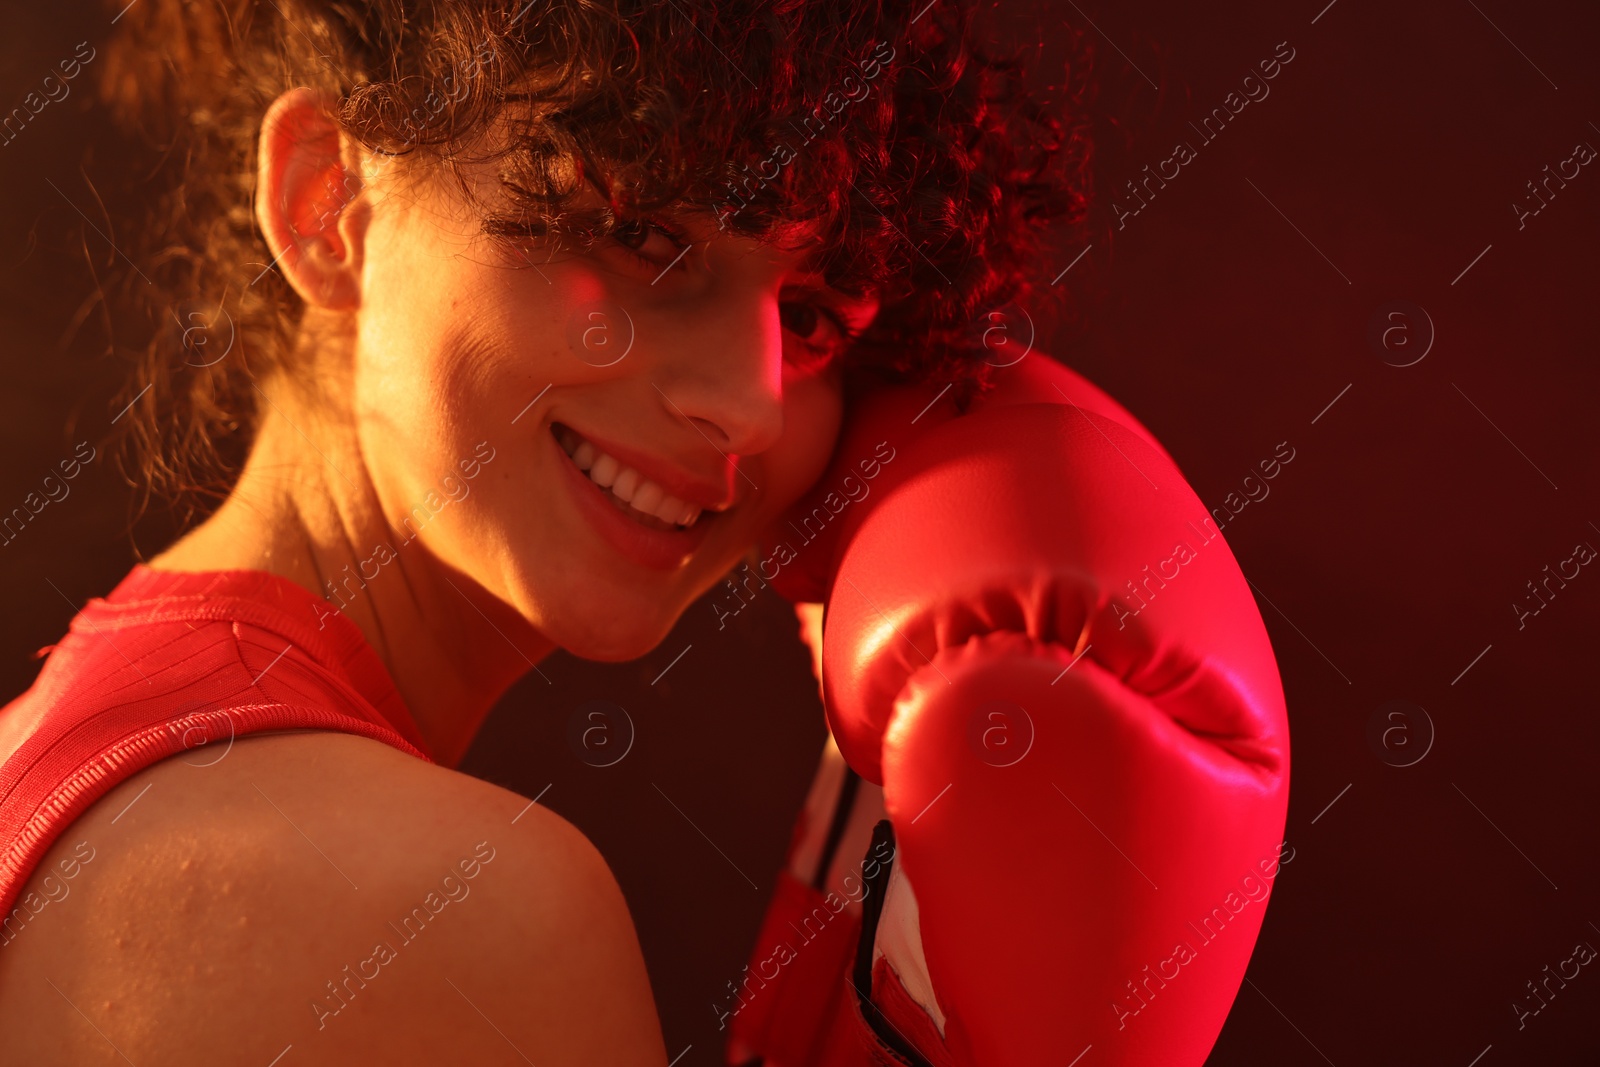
x=173, y=663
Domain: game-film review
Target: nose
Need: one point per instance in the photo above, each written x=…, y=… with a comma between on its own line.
x=722, y=371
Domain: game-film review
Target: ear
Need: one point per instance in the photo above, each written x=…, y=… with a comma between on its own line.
x=305, y=189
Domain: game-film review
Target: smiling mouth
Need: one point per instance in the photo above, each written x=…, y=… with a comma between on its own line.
x=633, y=494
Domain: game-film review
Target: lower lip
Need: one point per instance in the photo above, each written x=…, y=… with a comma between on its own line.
x=660, y=550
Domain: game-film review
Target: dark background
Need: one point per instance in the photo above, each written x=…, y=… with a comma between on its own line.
x=1228, y=315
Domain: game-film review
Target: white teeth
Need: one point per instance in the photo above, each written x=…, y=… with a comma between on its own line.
x=627, y=484
x=670, y=509
x=648, y=497
x=654, y=500
x=605, y=470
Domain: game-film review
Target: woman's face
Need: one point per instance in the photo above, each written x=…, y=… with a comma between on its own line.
x=506, y=400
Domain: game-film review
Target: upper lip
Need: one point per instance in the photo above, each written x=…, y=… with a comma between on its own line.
x=712, y=494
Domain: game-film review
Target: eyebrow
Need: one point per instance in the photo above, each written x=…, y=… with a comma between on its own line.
x=680, y=213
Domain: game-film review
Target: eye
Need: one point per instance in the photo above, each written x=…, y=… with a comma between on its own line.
x=632, y=233
x=647, y=243
x=805, y=320
x=822, y=333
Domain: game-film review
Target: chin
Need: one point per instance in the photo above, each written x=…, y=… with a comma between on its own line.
x=608, y=631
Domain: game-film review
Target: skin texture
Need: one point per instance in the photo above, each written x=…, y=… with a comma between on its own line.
x=208, y=924
x=433, y=339
x=218, y=906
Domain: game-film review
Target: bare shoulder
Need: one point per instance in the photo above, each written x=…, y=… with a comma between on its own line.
x=327, y=895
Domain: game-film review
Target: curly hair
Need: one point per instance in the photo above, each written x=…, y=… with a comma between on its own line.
x=922, y=161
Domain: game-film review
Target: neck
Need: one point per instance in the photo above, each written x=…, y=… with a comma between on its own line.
x=304, y=508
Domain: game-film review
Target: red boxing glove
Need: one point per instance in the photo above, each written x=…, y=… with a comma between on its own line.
x=1039, y=645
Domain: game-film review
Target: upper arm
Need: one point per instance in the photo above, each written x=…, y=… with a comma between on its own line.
x=328, y=894
x=552, y=955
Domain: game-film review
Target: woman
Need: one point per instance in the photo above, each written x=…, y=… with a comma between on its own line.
x=504, y=327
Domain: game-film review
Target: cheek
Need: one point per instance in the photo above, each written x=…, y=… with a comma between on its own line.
x=417, y=390
x=424, y=375
x=449, y=353
x=812, y=410
x=408, y=334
